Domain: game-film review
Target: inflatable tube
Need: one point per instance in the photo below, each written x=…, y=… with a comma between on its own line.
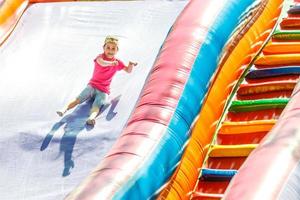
x=10, y=13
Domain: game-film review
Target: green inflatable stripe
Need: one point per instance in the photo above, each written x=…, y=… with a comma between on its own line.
x=254, y=105
x=286, y=34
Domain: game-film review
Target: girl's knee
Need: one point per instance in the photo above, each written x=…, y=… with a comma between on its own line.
x=77, y=100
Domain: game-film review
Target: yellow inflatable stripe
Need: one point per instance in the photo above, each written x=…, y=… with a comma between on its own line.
x=282, y=47
x=278, y=59
x=246, y=126
x=232, y=150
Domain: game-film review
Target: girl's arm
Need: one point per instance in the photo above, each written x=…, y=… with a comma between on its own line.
x=128, y=68
x=106, y=63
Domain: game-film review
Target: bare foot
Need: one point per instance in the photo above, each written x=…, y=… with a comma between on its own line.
x=60, y=113
x=91, y=122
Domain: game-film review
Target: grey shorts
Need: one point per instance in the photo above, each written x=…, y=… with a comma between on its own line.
x=90, y=92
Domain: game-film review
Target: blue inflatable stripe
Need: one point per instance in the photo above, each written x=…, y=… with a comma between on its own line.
x=295, y=10
x=273, y=72
x=217, y=174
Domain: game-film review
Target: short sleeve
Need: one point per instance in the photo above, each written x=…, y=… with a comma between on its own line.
x=121, y=65
x=100, y=55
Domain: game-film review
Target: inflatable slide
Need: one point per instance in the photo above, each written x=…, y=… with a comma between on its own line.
x=44, y=63
x=209, y=113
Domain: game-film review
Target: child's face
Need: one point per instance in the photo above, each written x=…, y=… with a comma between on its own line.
x=110, y=49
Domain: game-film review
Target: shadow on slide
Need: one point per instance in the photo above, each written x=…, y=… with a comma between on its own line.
x=74, y=123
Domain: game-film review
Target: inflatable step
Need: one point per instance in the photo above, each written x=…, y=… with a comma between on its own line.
x=294, y=10
x=217, y=174
x=273, y=72
x=238, y=139
x=274, y=47
x=266, y=95
x=254, y=105
x=232, y=150
x=246, y=126
x=277, y=60
x=225, y=162
x=257, y=88
x=290, y=23
x=294, y=77
x=254, y=115
x=286, y=35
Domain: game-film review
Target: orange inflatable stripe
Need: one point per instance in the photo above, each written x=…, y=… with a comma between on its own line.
x=278, y=59
x=257, y=88
x=10, y=13
x=246, y=127
x=232, y=65
x=282, y=47
x=8, y=9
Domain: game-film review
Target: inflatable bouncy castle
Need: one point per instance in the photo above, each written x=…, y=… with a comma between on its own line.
x=210, y=112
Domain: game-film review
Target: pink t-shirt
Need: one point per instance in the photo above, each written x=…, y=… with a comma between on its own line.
x=102, y=76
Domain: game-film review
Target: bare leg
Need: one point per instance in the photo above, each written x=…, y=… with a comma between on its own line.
x=69, y=106
x=93, y=114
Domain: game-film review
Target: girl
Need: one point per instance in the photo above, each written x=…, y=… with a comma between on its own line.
x=106, y=66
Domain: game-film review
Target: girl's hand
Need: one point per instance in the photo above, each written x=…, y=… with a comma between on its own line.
x=132, y=63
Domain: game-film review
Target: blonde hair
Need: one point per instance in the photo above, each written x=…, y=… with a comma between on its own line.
x=111, y=39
